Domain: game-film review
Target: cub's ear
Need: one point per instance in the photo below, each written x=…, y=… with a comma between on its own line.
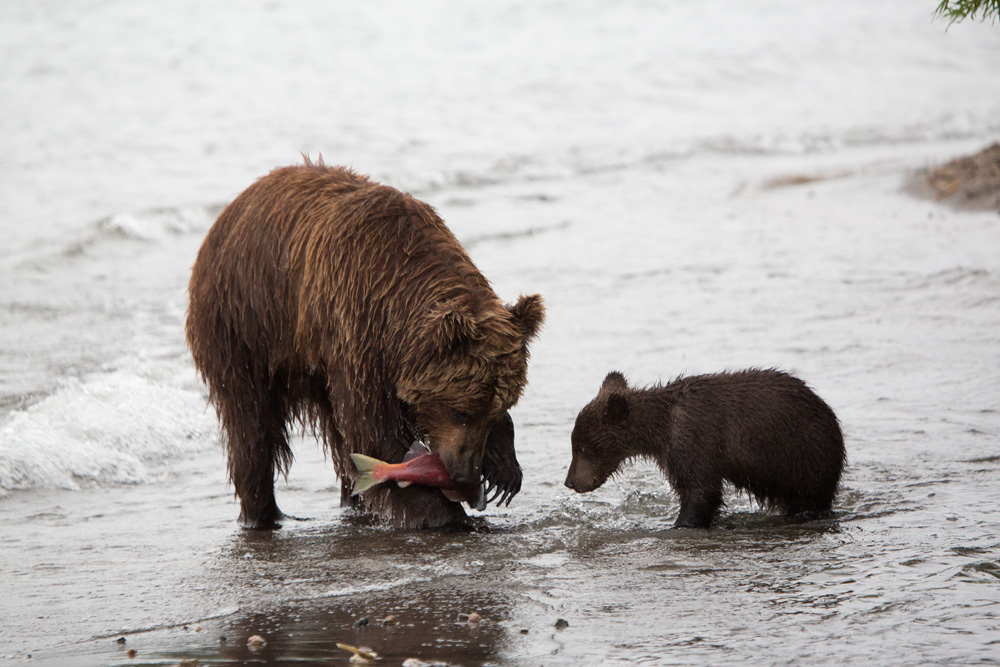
x=450, y=328
x=614, y=381
x=530, y=312
x=617, y=409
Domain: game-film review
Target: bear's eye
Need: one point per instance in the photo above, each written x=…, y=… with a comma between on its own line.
x=460, y=417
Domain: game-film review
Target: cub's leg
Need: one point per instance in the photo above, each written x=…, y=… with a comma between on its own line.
x=699, y=506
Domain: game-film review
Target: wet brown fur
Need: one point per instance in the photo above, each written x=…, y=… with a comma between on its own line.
x=322, y=297
x=764, y=431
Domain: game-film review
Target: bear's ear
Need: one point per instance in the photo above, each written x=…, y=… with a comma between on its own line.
x=450, y=328
x=616, y=410
x=614, y=381
x=529, y=311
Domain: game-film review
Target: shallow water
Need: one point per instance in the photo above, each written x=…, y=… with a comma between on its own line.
x=711, y=200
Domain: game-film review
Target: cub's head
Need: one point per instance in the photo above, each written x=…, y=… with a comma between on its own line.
x=599, y=442
x=466, y=369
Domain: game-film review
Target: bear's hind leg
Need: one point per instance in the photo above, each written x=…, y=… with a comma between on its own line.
x=320, y=409
x=808, y=496
x=807, y=507
x=257, y=446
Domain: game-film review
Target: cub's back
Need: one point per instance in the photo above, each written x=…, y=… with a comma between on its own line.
x=755, y=412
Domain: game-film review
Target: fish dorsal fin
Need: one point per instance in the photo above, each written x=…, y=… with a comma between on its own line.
x=416, y=449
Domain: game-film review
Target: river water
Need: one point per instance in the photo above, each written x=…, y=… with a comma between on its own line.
x=692, y=187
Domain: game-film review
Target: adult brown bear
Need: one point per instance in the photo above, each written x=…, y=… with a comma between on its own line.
x=324, y=298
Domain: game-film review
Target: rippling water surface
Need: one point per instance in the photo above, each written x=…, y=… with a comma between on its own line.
x=692, y=187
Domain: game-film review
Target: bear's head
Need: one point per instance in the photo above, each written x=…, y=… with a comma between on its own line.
x=600, y=444
x=468, y=367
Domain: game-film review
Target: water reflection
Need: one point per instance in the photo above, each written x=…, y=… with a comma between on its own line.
x=427, y=627
x=311, y=587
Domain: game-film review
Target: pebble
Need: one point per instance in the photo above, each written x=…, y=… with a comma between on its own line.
x=130, y=653
x=120, y=640
x=361, y=622
x=474, y=617
x=255, y=642
x=561, y=623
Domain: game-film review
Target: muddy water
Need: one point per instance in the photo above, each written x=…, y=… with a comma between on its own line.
x=688, y=240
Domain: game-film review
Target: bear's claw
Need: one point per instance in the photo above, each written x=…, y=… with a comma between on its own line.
x=501, y=471
x=504, y=492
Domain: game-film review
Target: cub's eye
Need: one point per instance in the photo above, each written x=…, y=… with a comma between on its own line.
x=460, y=417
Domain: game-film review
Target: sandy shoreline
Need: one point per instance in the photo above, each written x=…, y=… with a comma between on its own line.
x=965, y=183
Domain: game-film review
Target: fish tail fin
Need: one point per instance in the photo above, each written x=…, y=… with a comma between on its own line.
x=366, y=480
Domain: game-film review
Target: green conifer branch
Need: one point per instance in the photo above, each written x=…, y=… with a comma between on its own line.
x=956, y=10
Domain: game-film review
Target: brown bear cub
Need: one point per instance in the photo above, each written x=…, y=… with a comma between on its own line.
x=323, y=298
x=764, y=431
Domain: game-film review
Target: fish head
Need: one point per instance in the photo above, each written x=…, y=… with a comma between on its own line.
x=600, y=436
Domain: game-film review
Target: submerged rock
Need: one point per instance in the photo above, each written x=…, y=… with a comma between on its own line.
x=971, y=182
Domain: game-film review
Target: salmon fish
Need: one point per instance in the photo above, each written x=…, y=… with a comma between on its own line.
x=420, y=466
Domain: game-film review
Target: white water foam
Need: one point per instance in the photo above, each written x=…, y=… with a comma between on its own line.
x=113, y=427
x=156, y=224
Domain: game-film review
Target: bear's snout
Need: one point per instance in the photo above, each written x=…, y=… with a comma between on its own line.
x=579, y=486
x=461, y=449
x=464, y=472
x=466, y=478
x=582, y=477
x=461, y=467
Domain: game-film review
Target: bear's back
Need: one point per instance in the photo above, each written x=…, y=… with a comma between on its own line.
x=755, y=413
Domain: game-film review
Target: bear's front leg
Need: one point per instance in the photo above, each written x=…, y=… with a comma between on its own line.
x=414, y=506
x=501, y=470
x=698, y=507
